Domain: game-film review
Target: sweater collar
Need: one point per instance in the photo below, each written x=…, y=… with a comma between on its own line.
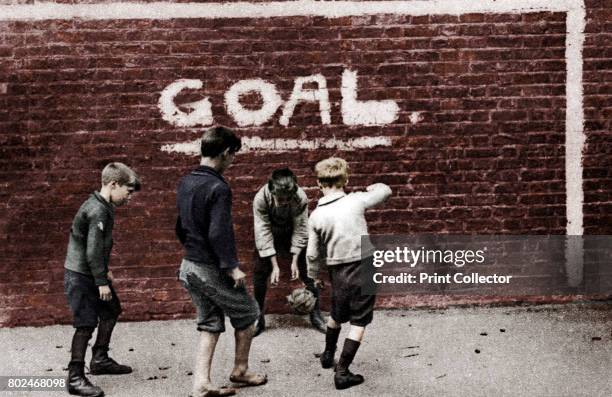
x=109, y=206
x=204, y=169
x=330, y=198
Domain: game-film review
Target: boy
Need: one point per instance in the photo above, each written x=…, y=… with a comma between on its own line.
x=88, y=281
x=334, y=237
x=210, y=269
x=280, y=212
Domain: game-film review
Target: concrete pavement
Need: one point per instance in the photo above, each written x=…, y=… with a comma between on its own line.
x=551, y=350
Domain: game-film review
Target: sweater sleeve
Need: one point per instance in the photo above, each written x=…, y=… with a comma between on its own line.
x=374, y=195
x=299, y=237
x=314, y=256
x=179, y=231
x=98, y=225
x=221, y=230
x=264, y=240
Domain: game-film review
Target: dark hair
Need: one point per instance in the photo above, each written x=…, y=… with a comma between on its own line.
x=216, y=139
x=283, y=181
x=122, y=174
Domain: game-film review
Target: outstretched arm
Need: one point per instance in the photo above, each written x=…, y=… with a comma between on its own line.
x=375, y=194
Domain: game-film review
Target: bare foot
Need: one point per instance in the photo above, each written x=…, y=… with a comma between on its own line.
x=248, y=378
x=209, y=390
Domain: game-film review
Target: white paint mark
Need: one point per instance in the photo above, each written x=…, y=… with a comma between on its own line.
x=3, y=88
x=574, y=144
x=574, y=260
x=201, y=113
x=257, y=144
x=356, y=112
x=415, y=117
x=300, y=94
x=332, y=9
x=247, y=117
x=575, y=10
x=574, y=121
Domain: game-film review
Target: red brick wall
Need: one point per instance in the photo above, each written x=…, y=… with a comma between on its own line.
x=487, y=155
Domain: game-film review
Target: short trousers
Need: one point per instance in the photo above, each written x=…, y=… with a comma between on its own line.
x=348, y=303
x=214, y=296
x=84, y=300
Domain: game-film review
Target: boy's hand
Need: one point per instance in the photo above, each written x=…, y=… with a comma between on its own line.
x=238, y=276
x=319, y=283
x=295, y=272
x=105, y=293
x=275, y=276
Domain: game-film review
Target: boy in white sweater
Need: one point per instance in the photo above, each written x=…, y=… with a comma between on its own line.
x=335, y=229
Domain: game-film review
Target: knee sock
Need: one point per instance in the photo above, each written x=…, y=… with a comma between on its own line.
x=348, y=354
x=331, y=339
x=260, y=287
x=79, y=344
x=105, y=331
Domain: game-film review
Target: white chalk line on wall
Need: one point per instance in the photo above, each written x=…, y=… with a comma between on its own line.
x=574, y=9
x=256, y=143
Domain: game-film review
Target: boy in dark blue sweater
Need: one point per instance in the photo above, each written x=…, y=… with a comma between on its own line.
x=210, y=270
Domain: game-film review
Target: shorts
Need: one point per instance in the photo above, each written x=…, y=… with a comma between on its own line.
x=348, y=303
x=214, y=296
x=84, y=300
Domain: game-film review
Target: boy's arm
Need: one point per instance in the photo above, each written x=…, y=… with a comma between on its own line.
x=299, y=237
x=221, y=230
x=314, y=257
x=264, y=240
x=375, y=194
x=179, y=231
x=98, y=223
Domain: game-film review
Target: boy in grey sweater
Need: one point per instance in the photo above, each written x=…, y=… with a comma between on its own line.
x=88, y=281
x=280, y=212
x=335, y=230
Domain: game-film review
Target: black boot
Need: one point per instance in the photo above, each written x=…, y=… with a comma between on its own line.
x=316, y=319
x=331, y=340
x=77, y=382
x=327, y=359
x=343, y=378
x=102, y=364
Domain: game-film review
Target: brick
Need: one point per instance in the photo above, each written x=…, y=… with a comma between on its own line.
x=486, y=155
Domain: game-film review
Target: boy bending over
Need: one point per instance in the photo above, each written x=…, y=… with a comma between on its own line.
x=280, y=212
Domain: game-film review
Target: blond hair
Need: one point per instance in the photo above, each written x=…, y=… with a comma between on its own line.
x=120, y=173
x=333, y=171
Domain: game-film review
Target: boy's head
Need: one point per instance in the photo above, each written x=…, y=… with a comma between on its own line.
x=332, y=172
x=283, y=185
x=220, y=144
x=120, y=181
x=217, y=140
